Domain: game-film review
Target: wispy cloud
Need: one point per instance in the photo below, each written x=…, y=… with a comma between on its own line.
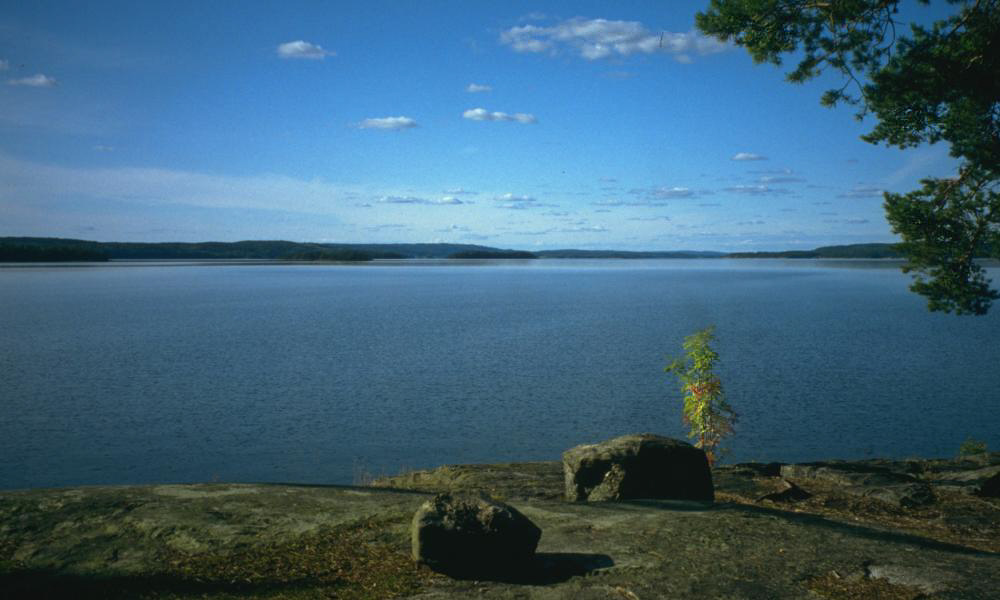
x=447, y=200
x=594, y=39
x=4, y=65
x=781, y=179
x=391, y=123
x=147, y=187
x=387, y=226
x=584, y=229
x=756, y=190
x=460, y=192
x=481, y=114
x=748, y=156
x=672, y=192
x=515, y=198
x=657, y=218
x=629, y=203
x=534, y=16
x=304, y=50
x=38, y=80
x=517, y=202
x=401, y=200
x=453, y=229
x=475, y=88
x=863, y=192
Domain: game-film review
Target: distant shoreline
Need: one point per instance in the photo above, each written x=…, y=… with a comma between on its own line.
x=46, y=249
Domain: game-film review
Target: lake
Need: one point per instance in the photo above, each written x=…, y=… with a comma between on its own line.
x=193, y=372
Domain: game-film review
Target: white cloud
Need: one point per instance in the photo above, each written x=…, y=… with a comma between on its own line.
x=748, y=156
x=4, y=65
x=478, y=87
x=449, y=200
x=594, y=39
x=38, y=80
x=459, y=191
x=481, y=114
x=303, y=49
x=659, y=218
x=394, y=123
x=103, y=148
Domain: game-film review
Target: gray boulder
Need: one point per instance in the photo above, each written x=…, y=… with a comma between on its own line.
x=472, y=537
x=637, y=466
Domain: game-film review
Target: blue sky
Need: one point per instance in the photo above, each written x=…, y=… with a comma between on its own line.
x=515, y=124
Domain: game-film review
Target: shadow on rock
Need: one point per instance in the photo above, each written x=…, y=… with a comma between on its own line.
x=871, y=533
x=545, y=568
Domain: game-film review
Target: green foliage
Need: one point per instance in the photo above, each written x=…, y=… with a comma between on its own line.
x=939, y=84
x=971, y=447
x=706, y=411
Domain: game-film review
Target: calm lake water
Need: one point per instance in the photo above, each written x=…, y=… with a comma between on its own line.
x=125, y=373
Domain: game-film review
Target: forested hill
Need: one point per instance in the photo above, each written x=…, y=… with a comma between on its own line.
x=848, y=251
x=63, y=249
x=43, y=248
x=626, y=254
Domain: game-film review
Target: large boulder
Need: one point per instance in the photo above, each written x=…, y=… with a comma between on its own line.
x=637, y=466
x=472, y=537
x=991, y=487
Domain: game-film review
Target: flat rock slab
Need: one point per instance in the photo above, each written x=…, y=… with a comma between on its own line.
x=639, y=549
x=124, y=530
x=891, y=487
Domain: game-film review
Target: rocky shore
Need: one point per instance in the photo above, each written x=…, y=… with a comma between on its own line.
x=864, y=529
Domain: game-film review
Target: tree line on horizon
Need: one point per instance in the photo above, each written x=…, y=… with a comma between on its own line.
x=40, y=249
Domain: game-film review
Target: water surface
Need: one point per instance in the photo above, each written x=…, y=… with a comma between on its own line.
x=186, y=372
